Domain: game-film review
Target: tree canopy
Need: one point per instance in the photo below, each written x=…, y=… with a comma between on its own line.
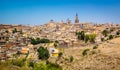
x=38, y=40
x=43, y=53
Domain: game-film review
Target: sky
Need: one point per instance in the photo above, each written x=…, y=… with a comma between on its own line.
x=37, y=12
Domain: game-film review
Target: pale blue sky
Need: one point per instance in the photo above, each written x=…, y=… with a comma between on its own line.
x=41, y=11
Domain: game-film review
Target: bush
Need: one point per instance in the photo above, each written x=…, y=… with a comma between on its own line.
x=112, y=29
x=56, y=41
x=95, y=47
x=105, y=32
x=80, y=35
x=33, y=41
x=55, y=45
x=86, y=38
x=39, y=66
x=31, y=64
x=38, y=40
x=102, y=39
x=43, y=53
x=118, y=32
x=14, y=31
x=85, y=52
x=18, y=62
x=52, y=66
x=60, y=54
x=71, y=58
x=92, y=38
x=44, y=40
x=110, y=37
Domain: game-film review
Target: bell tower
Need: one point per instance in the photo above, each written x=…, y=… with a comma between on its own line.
x=76, y=19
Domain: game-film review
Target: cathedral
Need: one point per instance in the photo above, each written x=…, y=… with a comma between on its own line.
x=76, y=19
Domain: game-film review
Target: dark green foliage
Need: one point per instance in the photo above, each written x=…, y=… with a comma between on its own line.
x=85, y=52
x=18, y=62
x=71, y=58
x=31, y=64
x=105, y=32
x=80, y=35
x=44, y=40
x=43, y=53
x=33, y=41
x=102, y=39
x=56, y=41
x=55, y=45
x=47, y=62
x=111, y=37
x=118, y=32
x=47, y=66
x=52, y=66
x=38, y=40
x=112, y=29
x=60, y=54
x=15, y=30
x=86, y=38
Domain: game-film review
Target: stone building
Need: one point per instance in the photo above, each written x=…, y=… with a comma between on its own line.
x=76, y=19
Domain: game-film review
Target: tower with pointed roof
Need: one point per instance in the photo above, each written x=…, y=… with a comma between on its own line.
x=76, y=19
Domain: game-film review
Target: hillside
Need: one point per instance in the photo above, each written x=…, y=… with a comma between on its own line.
x=105, y=57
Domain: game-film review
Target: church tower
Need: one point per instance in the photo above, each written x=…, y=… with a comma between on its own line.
x=76, y=19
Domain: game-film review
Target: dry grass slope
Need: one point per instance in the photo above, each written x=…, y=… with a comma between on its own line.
x=106, y=57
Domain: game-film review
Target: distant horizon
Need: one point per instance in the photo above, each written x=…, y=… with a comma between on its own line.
x=38, y=12
x=58, y=22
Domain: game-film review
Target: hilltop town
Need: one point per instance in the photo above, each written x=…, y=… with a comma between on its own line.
x=77, y=41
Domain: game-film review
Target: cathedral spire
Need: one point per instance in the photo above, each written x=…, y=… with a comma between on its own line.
x=76, y=19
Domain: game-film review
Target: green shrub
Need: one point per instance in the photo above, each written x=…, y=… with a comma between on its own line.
x=6, y=63
x=92, y=38
x=86, y=38
x=18, y=62
x=110, y=37
x=38, y=40
x=95, y=47
x=31, y=64
x=105, y=33
x=56, y=41
x=14, y=31
x=39, y=66
x=60, y=54
x=44, y=40
x=71, y=58
x=118, y=32
x=55, y=45
x=66, y=59
x=85, y=52
x=80, y=35
x=52, y=66
x=43, y=53
x=102, y=39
